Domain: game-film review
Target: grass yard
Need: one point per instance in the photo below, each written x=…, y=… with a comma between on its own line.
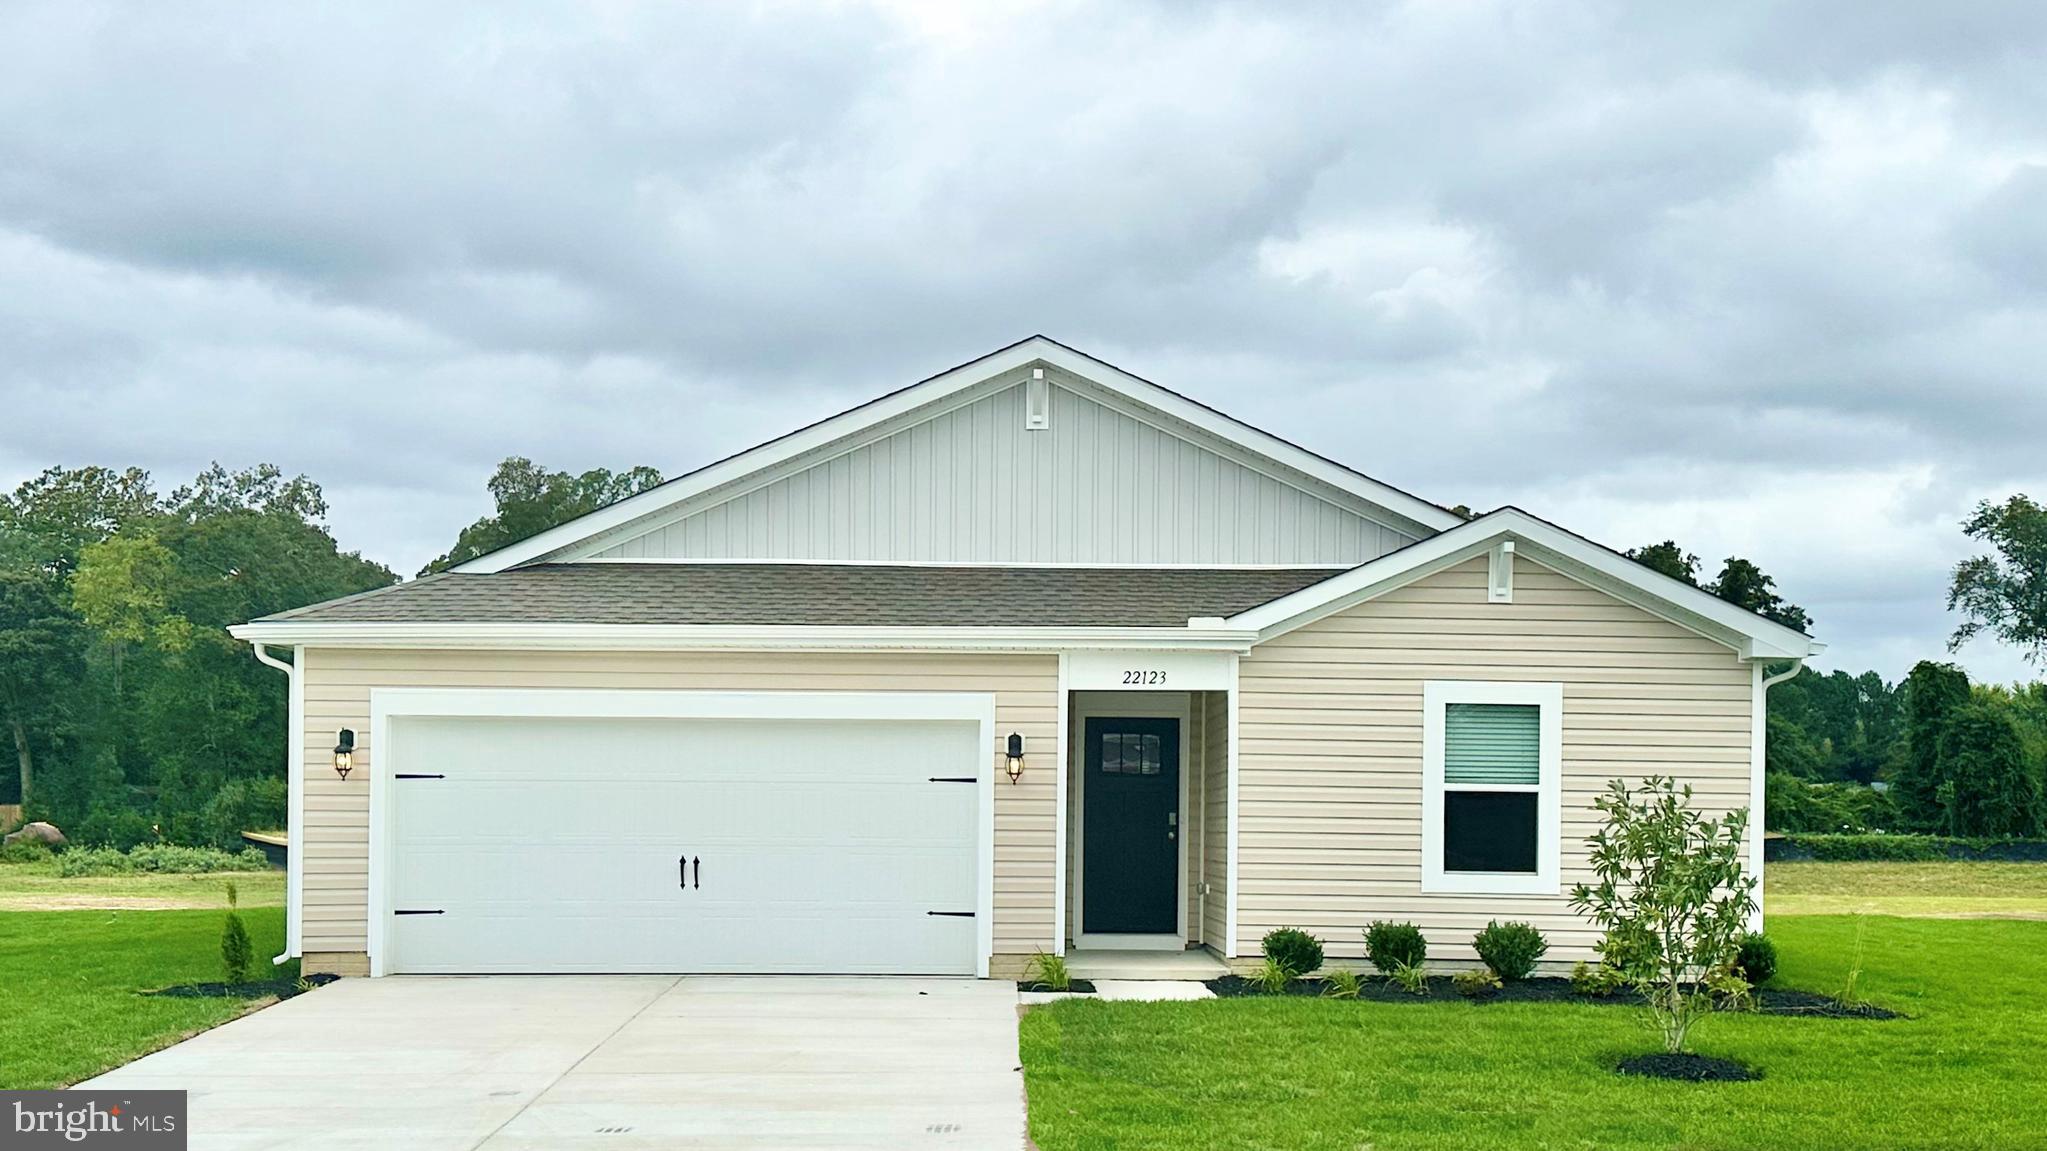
x=38, y=887
x=1957, y=889
x=1299, y=1074
x=70, y=979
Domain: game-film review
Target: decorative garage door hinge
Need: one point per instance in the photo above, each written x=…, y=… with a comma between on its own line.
x=953, y=914
x=408, y=775
x=954, y=779
x=417, y=911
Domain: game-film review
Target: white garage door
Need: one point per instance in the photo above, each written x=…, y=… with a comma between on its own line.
x=682, y=845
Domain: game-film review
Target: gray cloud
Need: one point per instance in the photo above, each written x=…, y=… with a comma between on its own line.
x=1765, y=279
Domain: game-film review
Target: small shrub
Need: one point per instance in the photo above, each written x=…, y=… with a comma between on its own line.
x=1478, y=983
x=1596, y=982
x=236, y=955
x=1272, y=977
x=1510, y=949
x=1389, y=945
x=1341, y=983
x=1672, y=894
x=1756, y=962
x=26, y=851
x=1293, y=949
x=1729, y=990
x=1409, y=977
x=157, y=857
x=1049, y=970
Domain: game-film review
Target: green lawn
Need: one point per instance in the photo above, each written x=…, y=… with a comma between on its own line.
x=70, y=979
x=1966, y=1071
x=1934, y=889
x=38, y=887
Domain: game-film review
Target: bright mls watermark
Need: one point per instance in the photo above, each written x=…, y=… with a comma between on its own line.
x=151, y=1120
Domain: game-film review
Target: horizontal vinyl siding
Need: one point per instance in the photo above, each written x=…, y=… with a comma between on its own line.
x=333, y=845
x=971, y=485
x=1215, y=819
x=1331, y=735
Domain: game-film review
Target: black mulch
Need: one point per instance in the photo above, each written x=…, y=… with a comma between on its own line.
x=1690, y=1068
x=1080, y=985
x=1547, y=989
x=281, y=988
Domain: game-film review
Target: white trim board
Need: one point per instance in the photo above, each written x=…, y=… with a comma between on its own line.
x=994, y=369
x=719, y=637
x=1680, y=603
x=1549, y=788
x=1174, y=705
x=390, y=703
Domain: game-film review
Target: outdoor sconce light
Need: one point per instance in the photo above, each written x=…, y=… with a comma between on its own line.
x=1015, y=753
x=344, y=752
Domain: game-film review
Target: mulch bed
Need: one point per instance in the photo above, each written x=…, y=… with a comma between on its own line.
x=1689, y=1068
x=1548, y=989
x=1079, y=985
x=280, y=988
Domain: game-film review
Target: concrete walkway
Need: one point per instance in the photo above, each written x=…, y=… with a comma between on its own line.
x=617, y=1062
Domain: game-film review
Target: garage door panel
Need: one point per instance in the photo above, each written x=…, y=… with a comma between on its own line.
x=552, y=845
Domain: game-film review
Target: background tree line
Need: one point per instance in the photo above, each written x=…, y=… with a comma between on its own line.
x=133, y=715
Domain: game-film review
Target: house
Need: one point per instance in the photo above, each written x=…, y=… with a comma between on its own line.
x=1031, y=655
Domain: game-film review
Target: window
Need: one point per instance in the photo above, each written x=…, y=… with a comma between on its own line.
x=1131, y=753
x=1491, y=786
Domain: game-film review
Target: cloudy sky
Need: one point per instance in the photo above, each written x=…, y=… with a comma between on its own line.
x=1773, y=282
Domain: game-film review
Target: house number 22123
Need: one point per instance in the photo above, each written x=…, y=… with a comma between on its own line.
x=1153, y=678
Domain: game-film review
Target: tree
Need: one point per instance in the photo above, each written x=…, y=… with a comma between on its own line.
x=1933, y=692
x=1744, y=585
x=531, y=500
x=1673, y=898
x=39, y=663
x=1987, y=787
x=2004, y=594
x=64, y=509
x=1669, y=559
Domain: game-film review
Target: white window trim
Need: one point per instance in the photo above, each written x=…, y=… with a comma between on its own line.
x=1546, y=880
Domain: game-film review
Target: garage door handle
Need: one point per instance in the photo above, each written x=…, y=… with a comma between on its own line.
x=698, y=865
x=682, y=872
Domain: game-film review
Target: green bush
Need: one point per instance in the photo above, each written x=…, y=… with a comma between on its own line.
x=1793, y=805
x=1293, y=949
x=1272, y=976
x=1389, y=945
x=1757, y=959
x=1049, y=970
x=1341, y=983
x=1907, y=848
x=157, y=857
x=119, y=828
x=237, y=956
x=1478, y=983
x=26, y=851
x=1412, y=978
x=1597, y=982
x=1510, y=949
x=243, y=805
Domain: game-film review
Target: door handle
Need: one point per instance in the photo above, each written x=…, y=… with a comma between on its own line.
x=682, y=872
x=698, y=865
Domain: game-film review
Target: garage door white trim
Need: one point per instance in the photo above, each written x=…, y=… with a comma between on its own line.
x=387, y=757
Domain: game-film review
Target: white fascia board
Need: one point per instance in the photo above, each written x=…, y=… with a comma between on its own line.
x=1689, y=607
x=697, y=637
x=1037, y=349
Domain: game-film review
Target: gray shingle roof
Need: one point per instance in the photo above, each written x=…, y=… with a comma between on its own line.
x=819, y=595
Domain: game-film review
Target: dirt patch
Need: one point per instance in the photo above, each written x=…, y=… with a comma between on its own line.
x=56, y=901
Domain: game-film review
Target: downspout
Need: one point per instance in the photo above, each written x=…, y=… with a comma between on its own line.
x=1797, y=665
x=1760, y=708
x=292, y=846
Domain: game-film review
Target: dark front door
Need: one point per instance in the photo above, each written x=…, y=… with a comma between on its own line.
x=1129, y=868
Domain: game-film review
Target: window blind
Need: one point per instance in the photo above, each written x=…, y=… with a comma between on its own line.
x=1492, y=743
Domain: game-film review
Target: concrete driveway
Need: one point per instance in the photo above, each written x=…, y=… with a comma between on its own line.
x=614, y=1062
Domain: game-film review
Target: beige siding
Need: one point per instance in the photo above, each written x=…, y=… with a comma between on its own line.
x=1215, y=820
x=334, y=843
x=1331, y=728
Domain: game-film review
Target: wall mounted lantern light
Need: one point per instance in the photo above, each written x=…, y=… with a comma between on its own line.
x=344, y=752
x=1015, y=753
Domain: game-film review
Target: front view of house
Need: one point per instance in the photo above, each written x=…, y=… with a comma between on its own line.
x=1031, y=655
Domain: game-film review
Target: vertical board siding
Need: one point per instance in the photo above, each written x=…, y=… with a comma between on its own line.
x=333, y=846
x=1331, y=762
x=1215, y=820
x=970, y=485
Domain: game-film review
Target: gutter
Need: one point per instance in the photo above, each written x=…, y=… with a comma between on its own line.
x=293, y=739
x=1797, y=665
x=1211, y=636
